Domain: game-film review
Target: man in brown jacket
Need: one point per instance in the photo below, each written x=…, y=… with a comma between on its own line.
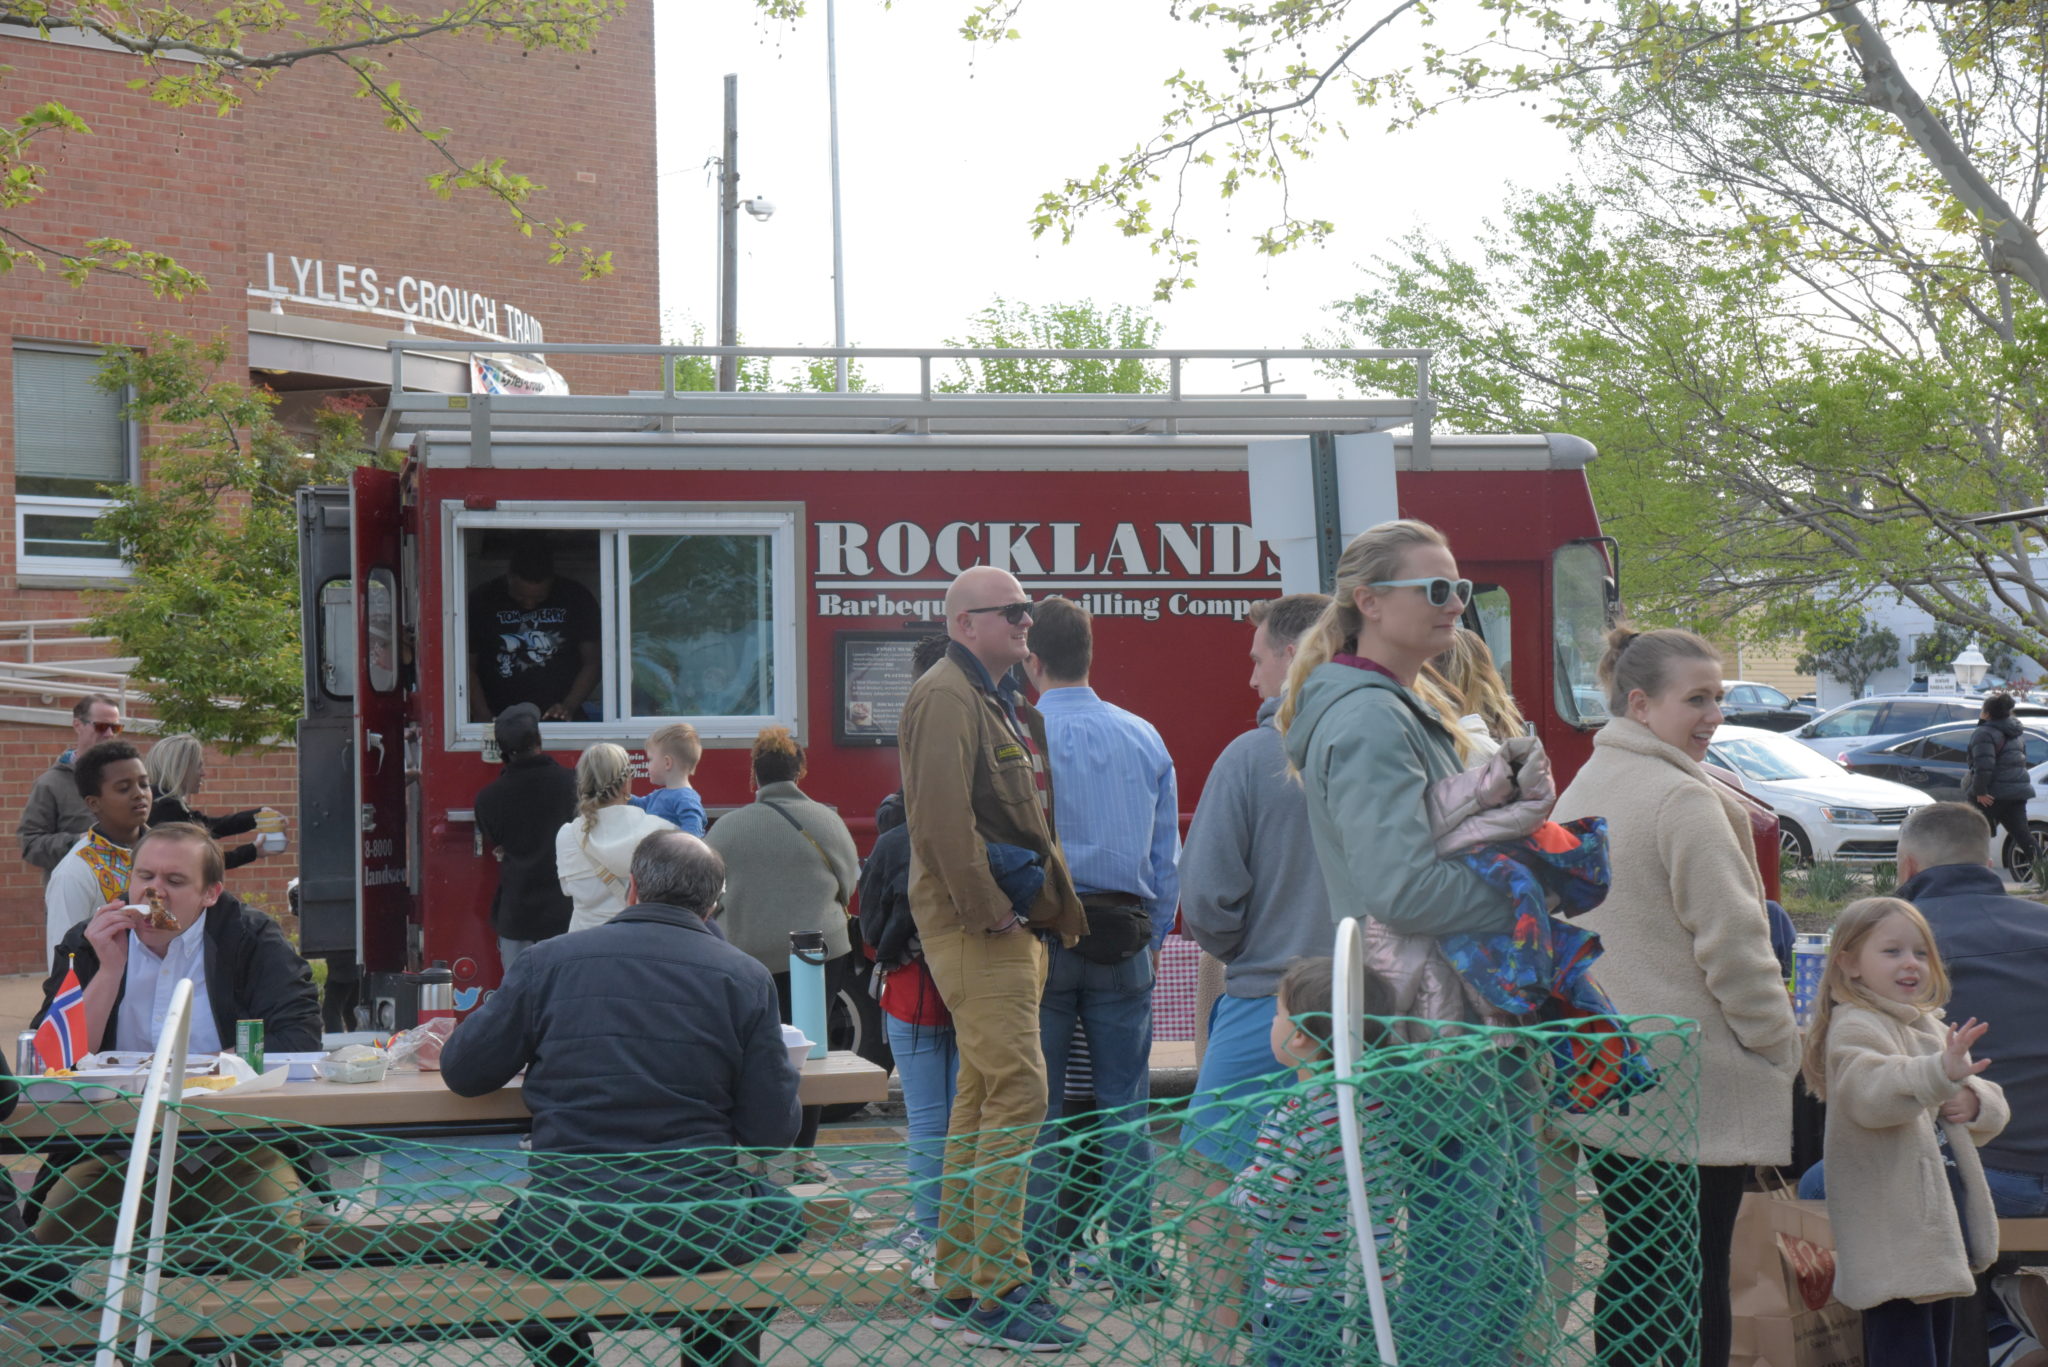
x=974, y=777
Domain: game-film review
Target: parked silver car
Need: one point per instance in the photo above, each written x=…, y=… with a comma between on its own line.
x=1873, y=721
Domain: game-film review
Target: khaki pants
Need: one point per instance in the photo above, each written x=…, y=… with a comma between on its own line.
x=242, y=1209
x=992, y=984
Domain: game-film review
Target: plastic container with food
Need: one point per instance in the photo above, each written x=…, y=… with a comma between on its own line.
x=353, y=1063
x=798, y=1046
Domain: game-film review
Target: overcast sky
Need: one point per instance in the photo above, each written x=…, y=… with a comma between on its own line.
x=945, y=148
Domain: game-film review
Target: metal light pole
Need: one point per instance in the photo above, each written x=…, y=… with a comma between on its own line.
x=838, y=254
x=729, y=239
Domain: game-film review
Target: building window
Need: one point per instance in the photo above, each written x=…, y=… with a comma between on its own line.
x=626, y=618
x=71, y=440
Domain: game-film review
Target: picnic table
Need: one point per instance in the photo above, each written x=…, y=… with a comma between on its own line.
x=403, y=1100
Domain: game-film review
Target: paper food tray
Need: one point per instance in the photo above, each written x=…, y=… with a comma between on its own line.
x=101, y=1077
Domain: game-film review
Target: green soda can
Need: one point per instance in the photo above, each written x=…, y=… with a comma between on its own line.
x=249, y=1043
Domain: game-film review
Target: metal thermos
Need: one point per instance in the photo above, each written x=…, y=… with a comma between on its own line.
x=437, y=1001
x=26, y=1064
x=807, y=986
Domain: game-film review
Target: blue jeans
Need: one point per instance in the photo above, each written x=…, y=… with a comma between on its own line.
x=2014, y=1195
x=1112, y=1004
x=1233, y=1093
x=1474, y=1264
x=1310, y=1333
x=927, y=1062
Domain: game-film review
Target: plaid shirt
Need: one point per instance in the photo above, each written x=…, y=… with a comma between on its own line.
x=1294, y=1194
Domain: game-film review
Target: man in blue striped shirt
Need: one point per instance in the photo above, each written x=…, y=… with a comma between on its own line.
x=1119, y=827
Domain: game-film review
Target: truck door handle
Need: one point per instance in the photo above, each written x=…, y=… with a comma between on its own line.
x=374, y=740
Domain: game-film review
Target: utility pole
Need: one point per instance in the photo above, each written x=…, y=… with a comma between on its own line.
x=838, y=251
x=729, y=239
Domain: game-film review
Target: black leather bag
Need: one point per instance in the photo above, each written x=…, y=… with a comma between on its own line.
x=1116, y=931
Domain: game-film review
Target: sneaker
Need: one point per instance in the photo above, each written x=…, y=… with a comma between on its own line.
x=905, y=1238
x=1021, y=1321
x=924, y=1267
x=1088, y=1273
x=950, y=1312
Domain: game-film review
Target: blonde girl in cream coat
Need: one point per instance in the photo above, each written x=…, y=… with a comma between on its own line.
x=1906, y=1111
x=1685, y=935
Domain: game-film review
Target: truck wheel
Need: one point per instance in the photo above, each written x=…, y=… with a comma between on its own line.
x=853, y=1021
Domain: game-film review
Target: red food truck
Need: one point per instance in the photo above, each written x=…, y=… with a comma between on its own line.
x=771, y=558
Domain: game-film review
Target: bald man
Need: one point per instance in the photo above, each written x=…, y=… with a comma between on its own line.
x=987, y=886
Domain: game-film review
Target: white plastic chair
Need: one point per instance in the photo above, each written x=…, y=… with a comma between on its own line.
x=1348, y=1009
x=166, y=1072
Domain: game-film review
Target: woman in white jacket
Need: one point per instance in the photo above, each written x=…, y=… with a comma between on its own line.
x=594, y=849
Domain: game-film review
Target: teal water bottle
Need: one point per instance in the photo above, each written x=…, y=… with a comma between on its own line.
x=807, y=986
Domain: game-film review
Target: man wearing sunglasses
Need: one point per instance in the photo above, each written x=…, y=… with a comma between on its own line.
x=56, y=815
x=987, y=882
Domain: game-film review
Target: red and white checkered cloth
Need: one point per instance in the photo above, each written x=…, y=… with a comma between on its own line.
x=1173, y=998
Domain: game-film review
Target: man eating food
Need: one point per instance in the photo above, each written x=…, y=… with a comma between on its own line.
x=179, y=921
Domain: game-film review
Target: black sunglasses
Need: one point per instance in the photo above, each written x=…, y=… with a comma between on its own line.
x=1013, y=613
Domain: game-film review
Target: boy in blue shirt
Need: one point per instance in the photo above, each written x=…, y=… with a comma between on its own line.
x=673, y=753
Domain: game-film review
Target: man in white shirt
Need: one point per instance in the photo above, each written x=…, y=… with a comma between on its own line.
x=240, y=964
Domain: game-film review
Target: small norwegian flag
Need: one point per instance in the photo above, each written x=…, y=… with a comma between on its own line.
x=60, y=1039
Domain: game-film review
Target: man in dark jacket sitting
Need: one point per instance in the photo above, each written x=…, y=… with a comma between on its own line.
x=653, y=1054
x=241, y=965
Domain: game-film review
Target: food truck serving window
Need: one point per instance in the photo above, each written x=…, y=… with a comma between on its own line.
x=614, y=619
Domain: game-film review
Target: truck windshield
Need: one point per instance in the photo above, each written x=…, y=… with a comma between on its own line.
x=1578, y=589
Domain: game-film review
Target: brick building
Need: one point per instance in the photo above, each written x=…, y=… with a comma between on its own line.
x=320, y=244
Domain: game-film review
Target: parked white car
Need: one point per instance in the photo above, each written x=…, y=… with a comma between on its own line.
x=1823, y=812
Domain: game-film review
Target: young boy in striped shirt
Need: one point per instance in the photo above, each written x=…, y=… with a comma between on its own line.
x=1293, y=1193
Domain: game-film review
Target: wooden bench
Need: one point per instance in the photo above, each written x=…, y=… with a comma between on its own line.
x=453, y=1230
x=2023, y=1236
x=443, y=1300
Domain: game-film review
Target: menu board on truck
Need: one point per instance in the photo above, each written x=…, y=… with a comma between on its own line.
x=874, y=678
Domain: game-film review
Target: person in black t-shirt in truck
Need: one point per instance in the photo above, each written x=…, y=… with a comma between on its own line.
x=533, y=637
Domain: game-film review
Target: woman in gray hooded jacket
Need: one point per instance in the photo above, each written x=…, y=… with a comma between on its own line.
x=1368, y=738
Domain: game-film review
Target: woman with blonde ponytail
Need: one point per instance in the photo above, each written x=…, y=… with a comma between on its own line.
x=1367, y=741
x=594, y=848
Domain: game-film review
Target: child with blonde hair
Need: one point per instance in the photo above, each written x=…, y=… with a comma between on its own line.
x=1906, y=1111
x=673, y=753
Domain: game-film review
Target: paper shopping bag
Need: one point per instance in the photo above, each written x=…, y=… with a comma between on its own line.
x=1783, y=1281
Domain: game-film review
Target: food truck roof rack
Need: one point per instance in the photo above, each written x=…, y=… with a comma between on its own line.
x=534, y=424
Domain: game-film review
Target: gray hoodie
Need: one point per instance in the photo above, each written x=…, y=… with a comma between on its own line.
x=1368, y=750
x=1250, y=890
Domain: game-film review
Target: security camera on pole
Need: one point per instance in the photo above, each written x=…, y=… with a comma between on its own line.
x=729, y=238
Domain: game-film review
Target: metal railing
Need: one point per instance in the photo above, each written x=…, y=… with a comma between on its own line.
x=932, y=406
x=28, y=671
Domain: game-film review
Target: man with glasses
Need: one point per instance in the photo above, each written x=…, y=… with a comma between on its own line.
x=987, y=882
x=56, y=815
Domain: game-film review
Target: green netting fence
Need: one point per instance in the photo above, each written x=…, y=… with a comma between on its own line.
x=1511, y=1232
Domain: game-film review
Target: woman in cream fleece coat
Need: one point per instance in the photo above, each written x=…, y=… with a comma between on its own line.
x=1685, y=935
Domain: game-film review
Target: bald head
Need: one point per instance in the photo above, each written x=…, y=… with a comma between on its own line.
x=987, y=635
